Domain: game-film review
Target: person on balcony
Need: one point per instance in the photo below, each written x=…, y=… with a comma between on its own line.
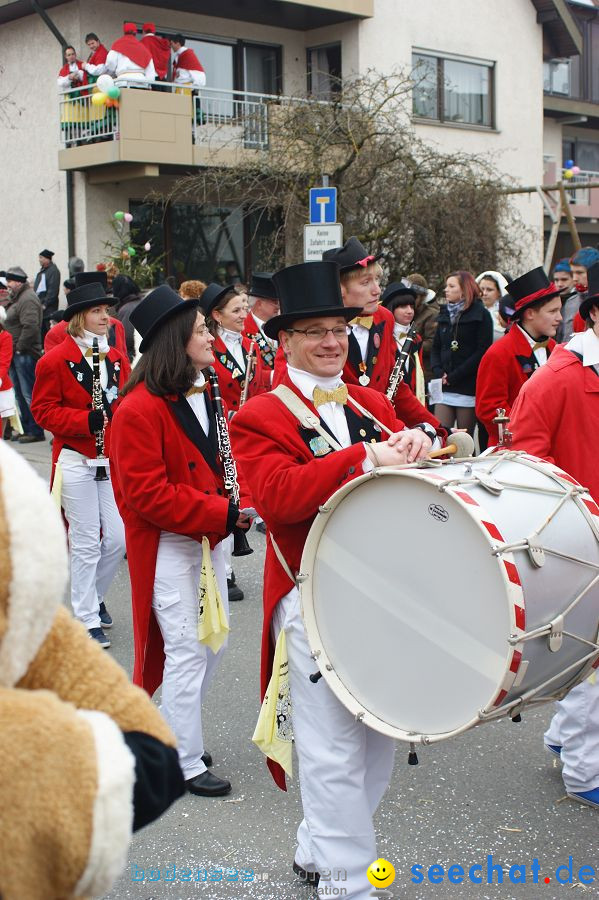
x=129, y=62
x=187, y=69
x=159, y=47
x=73, y=73
x=96, y=61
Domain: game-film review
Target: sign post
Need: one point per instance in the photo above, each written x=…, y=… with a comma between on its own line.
x=323, y=232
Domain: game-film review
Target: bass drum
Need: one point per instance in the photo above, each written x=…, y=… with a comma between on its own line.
x=436, y=597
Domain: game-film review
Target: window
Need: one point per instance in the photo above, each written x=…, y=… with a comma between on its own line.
x=556, y=76
x=261, y=68
x=324, y=71
x=452, y=90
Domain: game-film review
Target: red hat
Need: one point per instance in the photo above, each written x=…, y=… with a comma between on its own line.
x=129, y=28
x=148, y=28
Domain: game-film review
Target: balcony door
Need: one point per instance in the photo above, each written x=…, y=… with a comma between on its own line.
x=218, y=61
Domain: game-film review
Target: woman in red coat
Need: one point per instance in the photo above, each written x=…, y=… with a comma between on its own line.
x=170, y=491
x=63, y=403
x=7, y=393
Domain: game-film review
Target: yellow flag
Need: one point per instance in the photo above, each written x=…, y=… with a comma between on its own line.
x=274, y=733
x=213, y=627
x=56, y=492
x=15, y=421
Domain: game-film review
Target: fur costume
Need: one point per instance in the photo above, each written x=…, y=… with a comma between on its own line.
x=76, y=738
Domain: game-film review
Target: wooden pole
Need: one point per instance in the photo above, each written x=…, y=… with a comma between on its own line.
x=553, y=235
x=569, y=217
x=578, y=185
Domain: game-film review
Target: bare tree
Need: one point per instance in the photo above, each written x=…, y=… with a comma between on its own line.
x=424, y=209
x=8, y=107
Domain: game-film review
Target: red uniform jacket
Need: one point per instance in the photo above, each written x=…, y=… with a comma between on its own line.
x=556, y=417
x=267, y=351
x=116, y=336
x=505, y=367
x=98, y=57
x=380, y=354
x=187, y=59
x=288, y=483
x=5, y=359
x=160, y=50
x=578, y=323
x=166, y=477
x=231, y=378
x=62, y=397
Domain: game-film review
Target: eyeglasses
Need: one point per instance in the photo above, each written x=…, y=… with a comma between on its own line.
x=318, y=334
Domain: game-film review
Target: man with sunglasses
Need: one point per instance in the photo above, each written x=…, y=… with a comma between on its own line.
x=291, y=470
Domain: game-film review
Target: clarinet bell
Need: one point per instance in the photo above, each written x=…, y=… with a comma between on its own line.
x=240, y=543
x=100, y=474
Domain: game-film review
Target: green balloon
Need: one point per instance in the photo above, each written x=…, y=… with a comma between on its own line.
x=114, y=92
x=119, y=215
x=131, y=251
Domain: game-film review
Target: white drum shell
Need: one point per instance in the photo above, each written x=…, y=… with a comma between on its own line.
x=410, y=610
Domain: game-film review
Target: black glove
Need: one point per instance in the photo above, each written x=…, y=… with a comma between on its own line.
x=158, y=777
x=95, y=421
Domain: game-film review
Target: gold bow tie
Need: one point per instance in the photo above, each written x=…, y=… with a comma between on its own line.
x=540, y=345
x=196, y=389
x=364, y=321
x=338, y=395
x=102, y=356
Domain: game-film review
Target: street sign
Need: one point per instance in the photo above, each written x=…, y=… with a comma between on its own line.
x=323, y=206
x=318, y=238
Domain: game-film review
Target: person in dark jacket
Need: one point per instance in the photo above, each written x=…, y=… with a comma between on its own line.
x=127, y=296
x=464, y=332
x=47, y=286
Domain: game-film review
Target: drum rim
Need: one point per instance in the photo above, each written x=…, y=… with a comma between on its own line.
x=513, y=592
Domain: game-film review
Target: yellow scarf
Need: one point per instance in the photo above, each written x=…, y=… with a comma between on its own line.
x=213, y=627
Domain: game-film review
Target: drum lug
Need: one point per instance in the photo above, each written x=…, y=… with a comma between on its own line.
x=536, y=552
x=556, y=634
x=489, y=483
x=360, y=716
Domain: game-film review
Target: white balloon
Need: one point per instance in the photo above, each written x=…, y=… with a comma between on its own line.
x=105, y=82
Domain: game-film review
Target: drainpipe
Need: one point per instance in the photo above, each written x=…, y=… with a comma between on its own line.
x=69, y=175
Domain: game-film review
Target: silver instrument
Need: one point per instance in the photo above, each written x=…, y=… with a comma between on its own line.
x=98, y=403
x=399, y=369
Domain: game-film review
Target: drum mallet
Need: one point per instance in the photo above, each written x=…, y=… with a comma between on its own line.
x=461, y=446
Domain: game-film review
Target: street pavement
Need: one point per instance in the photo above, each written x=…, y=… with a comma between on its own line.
x=493, y=792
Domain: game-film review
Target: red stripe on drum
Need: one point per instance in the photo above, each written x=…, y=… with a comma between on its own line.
x=566, y=477
x=493, y=530
x=500, y=698
x=434, y=475
x=591, y=506
x=520, y=617
x=512, y=572
x=596, y=664
x=516, y=660
x=466, y=498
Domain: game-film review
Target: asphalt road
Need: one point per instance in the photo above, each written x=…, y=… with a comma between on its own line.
x=491, y=792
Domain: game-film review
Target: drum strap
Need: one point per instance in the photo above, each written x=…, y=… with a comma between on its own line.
x=283, y=561
x=304, y=414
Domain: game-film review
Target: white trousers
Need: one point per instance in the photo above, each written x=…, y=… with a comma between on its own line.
x=189, y=666
x=575, y=728
x=228, y=550
x=344, y=768
x=96, y=538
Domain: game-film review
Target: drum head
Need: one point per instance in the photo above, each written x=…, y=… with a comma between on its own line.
x=412, y=667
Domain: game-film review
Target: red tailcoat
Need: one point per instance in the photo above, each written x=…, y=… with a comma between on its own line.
x=166, y=477
x=252, y=331
x=380, y=355
x=556, y=417
x=160, y=50
x=187, y=59
x=505, y=367
x=5, y=360
x=62, y=397
x=288, y=483
x=231, y=377
x=58, y=333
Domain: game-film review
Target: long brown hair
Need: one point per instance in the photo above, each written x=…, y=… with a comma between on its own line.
x=165, y=367
x=470, y=289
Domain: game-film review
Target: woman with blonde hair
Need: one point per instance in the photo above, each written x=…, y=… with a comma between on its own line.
x=69, y=382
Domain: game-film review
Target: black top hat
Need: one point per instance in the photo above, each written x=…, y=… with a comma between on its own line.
x=399, y=293
x=529, y=288
x=82, y=278
x=212, y=296
x=306, y=291
x=155, y=309
x=84, y=297
x=592, y=297
x=262, y=285
x=47, y=254
x=350, y=256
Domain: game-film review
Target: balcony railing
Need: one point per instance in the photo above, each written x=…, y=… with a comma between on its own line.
x=236, y=117
x=81, y=121
x=582, y=195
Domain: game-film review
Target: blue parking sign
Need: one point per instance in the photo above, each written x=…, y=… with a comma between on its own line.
x=323, y=205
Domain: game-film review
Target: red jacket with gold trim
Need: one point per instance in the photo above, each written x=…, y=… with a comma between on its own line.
x=288, y=482
x=231, y=378
x=267, y=351
x=505, y=367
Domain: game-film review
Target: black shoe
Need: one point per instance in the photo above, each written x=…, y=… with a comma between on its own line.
x=31, y=438
x=311, y=878
x=208, y=785
x=235, y=593
x=96, y=634
x=261, y=527
x=207, y=759
x=15, y=436
x=105, y=617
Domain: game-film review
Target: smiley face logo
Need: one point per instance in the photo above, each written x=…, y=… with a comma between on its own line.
x=380, y=873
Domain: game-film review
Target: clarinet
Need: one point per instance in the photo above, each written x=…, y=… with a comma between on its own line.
x=399, y=369
x=98, y=403
x=248, y=372
x=240, y=543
